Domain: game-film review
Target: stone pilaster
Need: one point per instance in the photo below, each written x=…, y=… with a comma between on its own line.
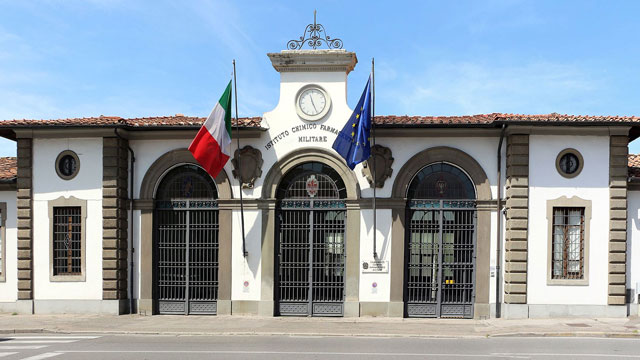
x=114, y=218
x=618, y=152
x=25, y=219
x=517, y=215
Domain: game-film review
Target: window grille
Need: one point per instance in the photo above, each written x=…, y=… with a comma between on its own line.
x=568, y=243
x=441, y=181
x=67, y=240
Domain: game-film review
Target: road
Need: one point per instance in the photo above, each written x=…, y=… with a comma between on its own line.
x=95, y=347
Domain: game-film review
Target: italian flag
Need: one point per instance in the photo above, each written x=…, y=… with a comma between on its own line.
x=211, y=145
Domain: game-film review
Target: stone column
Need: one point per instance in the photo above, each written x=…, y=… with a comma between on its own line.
x=25, y=225
x=517, y=214
x=114, y=221
x=617, y=218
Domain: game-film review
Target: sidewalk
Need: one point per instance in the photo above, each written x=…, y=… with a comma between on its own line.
x=366, y=326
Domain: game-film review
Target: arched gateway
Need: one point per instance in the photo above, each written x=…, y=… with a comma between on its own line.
x=310, y=241
x=186, y=242
x=440, y=243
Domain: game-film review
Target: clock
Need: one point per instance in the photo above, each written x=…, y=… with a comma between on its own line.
x=312, y=103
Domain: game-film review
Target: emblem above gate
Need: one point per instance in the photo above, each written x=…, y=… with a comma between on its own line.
x=312, y=186
x=383, y=159
x=247, y=166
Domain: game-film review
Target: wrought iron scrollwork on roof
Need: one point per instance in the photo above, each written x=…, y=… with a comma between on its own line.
x=314, y=35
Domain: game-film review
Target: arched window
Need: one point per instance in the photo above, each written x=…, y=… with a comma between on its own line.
x=187, y=182
x=441, y=181
x=312, y=180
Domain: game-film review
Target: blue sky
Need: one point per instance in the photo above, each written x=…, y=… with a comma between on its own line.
x=75, y=58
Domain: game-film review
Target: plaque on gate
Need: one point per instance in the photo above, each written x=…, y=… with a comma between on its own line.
x=375, y=266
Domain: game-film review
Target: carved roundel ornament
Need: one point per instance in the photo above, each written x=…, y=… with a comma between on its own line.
x=312, y=103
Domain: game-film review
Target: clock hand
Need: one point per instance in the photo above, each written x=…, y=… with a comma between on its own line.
x=314, y=105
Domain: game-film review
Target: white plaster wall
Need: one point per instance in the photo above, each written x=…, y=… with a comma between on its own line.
x=546, y=184
x=246, y=269
x=283, y=137
x=633, y=242
x=9, y=288
x=87, y=185
x=381, y=292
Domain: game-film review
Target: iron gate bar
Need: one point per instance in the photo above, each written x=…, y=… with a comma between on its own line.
x=453, y=222
x=304, y=265
x=187, y=250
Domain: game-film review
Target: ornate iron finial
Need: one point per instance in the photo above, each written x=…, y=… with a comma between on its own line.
x=314, y=35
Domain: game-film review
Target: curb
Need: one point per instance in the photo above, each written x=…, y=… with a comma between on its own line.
x=602, y=334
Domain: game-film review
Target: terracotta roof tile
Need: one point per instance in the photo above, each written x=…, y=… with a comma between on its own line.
x=8, y=168
x=634, y=165
x=180, y=120
x=156, y=121
x=435, y=120
x=187, y=121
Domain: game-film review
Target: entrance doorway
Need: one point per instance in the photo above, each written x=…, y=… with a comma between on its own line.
x=440, y=243
x=310, y=242
x=186, y=242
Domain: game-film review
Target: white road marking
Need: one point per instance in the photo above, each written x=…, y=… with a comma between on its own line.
x=566, y=354
x=21, y=347
x=3, y=354
x=40, y=341
x=50, y=337
x=42, y=356
x=327, y=353
x=232, y=352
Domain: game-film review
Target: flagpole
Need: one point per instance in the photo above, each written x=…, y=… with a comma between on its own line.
x=373, y=136
x=245, y=253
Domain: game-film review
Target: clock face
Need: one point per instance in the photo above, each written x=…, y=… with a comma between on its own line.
x=312, y=102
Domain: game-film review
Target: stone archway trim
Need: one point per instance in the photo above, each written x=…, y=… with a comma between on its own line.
x=447, y=154
x=483, y=228
x=352, y=268
x=148, y=186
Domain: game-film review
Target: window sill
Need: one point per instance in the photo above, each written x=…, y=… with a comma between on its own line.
x=567, y=282
x=67, y=278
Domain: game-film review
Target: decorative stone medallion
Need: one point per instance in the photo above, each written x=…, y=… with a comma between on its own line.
x=384, y=159
x=250, y=160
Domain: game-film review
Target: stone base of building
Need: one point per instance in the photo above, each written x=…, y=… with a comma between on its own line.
x=18, y=307
x=382, y=309
x=538, y=311
x=114, y=307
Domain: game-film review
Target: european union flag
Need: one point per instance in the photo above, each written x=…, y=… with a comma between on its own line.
x=353, y=142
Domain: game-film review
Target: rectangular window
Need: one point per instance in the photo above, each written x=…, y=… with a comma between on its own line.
x=568, y=243
x=67, y=240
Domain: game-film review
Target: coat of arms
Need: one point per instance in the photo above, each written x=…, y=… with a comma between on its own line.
x=312, y=186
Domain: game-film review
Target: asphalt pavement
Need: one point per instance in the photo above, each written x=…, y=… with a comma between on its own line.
x=305, y=326
x=125, y=347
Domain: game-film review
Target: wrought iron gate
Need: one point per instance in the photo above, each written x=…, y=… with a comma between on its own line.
x=440, y=244
x=441, y=258
x=310, y=255
x=186, y=244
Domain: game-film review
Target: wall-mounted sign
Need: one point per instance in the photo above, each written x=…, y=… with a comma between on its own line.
x=375, y=266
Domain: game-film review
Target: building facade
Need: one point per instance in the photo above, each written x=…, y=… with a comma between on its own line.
x=477, y=216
